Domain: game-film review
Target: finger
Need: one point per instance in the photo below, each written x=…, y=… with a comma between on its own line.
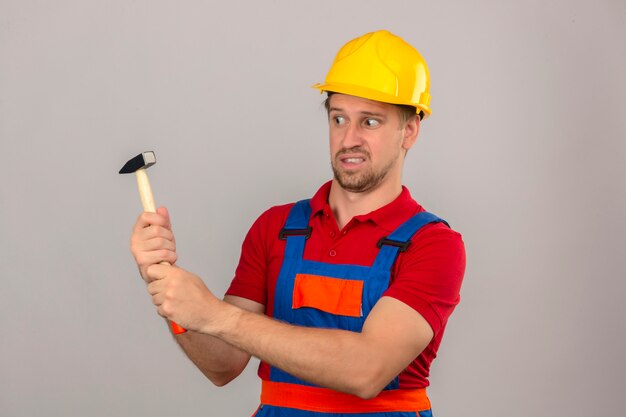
x=157, y=243
x=140, y=236
x=146, y=258
x=146, y=219
x=156, y=257
x=155, y=230
x=158, y=271
x=164, y=212
x=161, y=312
x=155, y=287
x=153, y=250
x=158, y=299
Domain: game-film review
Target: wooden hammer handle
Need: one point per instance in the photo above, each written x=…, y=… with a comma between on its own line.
x=147, y=200
x=145, y=192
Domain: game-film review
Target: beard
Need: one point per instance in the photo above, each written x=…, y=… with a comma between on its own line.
x=362, y=180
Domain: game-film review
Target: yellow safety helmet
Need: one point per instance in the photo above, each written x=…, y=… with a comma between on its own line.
x=383, y=67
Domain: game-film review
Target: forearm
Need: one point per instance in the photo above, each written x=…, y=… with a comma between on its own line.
x=219, y=361
x=337, y=359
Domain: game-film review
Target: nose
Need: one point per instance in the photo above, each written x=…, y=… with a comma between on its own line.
x=352, y=136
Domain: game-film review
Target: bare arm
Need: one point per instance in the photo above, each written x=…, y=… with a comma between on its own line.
x=152, y=241
x=219, y=361
x=357, y=363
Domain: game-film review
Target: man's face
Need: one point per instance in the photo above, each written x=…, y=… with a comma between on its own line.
x=367, y=142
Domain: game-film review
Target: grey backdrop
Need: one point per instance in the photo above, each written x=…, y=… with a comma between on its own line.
x=524, y=155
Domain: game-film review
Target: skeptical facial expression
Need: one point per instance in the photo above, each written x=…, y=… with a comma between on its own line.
x=367, y=142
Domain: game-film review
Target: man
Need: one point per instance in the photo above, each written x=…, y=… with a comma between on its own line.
x=345, y=297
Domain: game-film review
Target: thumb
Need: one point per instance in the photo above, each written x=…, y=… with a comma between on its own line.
x=162, y=211
x=158, y=271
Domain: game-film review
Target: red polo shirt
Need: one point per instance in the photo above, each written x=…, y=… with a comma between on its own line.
x=427, y=277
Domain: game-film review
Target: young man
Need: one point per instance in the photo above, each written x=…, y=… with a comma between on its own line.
x=344, y=297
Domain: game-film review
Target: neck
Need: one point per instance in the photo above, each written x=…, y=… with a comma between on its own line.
x=346, y=205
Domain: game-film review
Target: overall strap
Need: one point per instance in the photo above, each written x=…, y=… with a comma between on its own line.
x=296, y=229
x=400, y=239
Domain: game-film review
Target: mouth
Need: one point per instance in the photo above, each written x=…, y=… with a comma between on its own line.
x=351, y=160
x=351, y=163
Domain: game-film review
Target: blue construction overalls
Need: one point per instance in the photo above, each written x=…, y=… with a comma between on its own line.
x=349, y=293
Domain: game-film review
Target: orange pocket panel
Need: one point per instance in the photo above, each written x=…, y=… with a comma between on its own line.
x=332, y=295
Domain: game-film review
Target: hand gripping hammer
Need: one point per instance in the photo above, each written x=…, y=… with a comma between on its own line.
x=138, y=165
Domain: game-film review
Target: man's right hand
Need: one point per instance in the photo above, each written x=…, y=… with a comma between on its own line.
x=152, y=241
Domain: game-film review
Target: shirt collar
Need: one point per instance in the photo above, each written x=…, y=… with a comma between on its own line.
x=389, y=217
x=319, y=202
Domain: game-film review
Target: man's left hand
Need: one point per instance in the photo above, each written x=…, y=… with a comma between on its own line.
x=181, y=296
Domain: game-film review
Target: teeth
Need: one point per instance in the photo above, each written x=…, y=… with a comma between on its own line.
x=354, y=160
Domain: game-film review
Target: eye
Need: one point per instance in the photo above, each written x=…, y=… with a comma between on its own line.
x=369, y=122
x=339, y=120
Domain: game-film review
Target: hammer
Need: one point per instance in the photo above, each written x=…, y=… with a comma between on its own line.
x=138, y=165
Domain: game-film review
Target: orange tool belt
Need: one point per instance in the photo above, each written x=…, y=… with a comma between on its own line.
x=325, y=400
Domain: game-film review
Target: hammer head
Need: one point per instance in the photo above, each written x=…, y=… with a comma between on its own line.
x=143, y=160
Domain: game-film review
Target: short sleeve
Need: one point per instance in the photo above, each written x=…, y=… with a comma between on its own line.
x=258, y=260
x=250, y=275
x=428, y=276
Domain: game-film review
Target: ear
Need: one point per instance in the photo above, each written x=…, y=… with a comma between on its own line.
x=411, y=130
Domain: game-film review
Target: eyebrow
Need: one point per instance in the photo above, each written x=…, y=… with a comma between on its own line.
x=363, y=113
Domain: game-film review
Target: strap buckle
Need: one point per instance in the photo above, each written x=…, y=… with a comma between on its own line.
x=402, y=246
x=285, y=233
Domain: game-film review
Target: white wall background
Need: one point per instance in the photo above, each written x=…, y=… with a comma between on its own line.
x=524, y=155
